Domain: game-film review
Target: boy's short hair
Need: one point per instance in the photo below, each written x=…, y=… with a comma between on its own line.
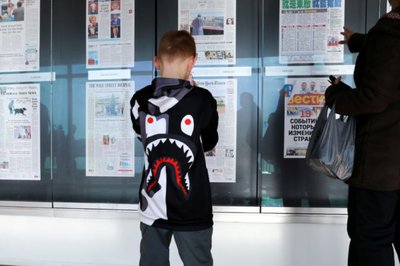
x=176, y=43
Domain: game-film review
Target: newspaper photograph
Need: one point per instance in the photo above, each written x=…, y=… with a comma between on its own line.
x=20, y=132
x=310, y=31
x=304, y=99
x=110, y=32
x=109, y=135
x=212, y=24
x=221, y=161
x=19, y=35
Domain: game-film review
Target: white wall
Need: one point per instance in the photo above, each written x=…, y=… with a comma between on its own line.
x=82, y=238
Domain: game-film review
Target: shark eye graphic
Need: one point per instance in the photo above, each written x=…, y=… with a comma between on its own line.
x=154, y=126
x=187, y=125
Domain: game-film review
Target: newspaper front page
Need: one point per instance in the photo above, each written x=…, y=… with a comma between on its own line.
x=221, y=161
x=19, y=35
x=20, y=132
x=212, y=23
x=110, y=32
x=304, y=99
x=109, y=135
x=310, y=31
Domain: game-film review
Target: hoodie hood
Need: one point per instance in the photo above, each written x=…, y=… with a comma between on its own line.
x=167, y=93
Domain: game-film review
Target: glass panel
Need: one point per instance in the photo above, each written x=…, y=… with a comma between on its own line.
x=233, y=167
x=72, y=96
x=26, y=76
x=239, y=62
x=287, y=180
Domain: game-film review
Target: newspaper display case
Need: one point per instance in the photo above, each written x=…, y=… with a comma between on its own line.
x=73, y=147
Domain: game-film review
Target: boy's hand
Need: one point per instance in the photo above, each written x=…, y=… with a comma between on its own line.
x=337, y=80
x=334, y=80
x=347, y=34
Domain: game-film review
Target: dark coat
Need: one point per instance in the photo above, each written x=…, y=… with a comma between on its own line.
x=376, y=103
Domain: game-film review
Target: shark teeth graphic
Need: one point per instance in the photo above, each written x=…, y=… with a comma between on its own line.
x=187, y=151
x=171, y=157
x=148, y=178
x=153, y=144
x=187, y=181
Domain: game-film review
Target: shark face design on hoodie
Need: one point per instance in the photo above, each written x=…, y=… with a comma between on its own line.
x=169, y=149
x=165, y=148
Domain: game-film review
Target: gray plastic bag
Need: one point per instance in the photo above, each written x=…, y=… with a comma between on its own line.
x=331, y=147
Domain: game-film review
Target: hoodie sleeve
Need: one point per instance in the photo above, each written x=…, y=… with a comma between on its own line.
x=209, y=133
x=356, y=42
x=135, y=115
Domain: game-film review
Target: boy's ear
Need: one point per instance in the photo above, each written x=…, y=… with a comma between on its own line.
x=193, y=61
x=156, y=62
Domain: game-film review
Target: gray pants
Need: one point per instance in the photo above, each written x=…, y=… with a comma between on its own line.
x=194, y=247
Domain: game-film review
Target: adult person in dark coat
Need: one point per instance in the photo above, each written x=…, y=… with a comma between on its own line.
x=374, y=193
x=19, y=12
x=197, y=25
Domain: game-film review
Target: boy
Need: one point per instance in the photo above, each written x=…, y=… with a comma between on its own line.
x=176, y=122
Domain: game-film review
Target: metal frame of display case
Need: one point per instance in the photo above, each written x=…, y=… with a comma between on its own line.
x=253, y=213
x=277, y=215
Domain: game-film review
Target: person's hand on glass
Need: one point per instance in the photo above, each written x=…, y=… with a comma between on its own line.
x=347, y=32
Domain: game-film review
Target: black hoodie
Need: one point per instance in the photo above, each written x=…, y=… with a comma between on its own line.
x=176, y=123
x=376, y=103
